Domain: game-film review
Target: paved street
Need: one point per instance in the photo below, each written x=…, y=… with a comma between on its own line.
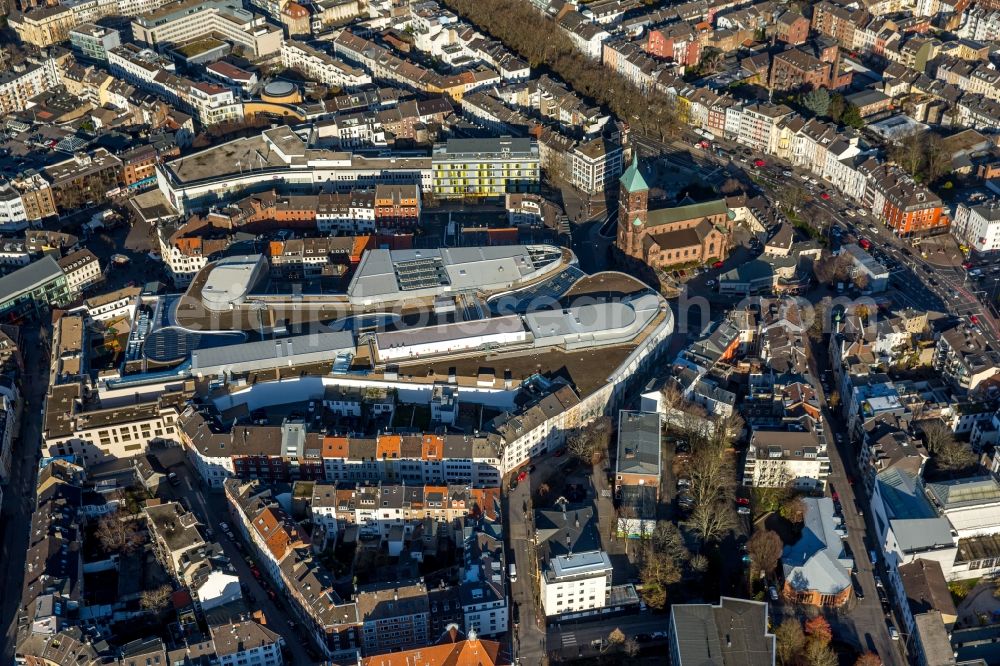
x=864, y=621
x=19, y=493
x=211, y=508
x=529, y=632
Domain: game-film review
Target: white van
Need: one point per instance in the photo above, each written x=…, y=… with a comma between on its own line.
x=512, y=571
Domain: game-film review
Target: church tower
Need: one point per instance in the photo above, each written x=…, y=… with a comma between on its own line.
x=633, y=203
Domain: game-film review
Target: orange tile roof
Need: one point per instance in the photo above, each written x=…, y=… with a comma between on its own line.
x=335, y=447
x=388, y=446
x=463, y=653
x=433, y=447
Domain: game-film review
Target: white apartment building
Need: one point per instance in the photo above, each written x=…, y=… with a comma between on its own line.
x=595, y=166
x=322, y=67
x=13, y=217
x=187, y=20
x=22, y=82
x=214, y=104
x=576, y=583
x=88, y=11
x=779, y=458
x=978, y=226
x=575, y=574
x=759, y=126
x=980, y=24
x=82, y=269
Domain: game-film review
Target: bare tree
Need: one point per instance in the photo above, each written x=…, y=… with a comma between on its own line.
x=156, y=599
x=590, y=443
x=764, y=549
x=819, y=654
x=793, y=510
x=791, y=640
x=698, y=563
x=908, y=151
x=631, y=646
x=659, y=571
x=954, y=456
x=936, y=435
x=711, y=521
x=616, y=637
x=117, y=535
x=667, y=539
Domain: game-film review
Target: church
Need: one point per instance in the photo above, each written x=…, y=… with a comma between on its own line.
x=684, y=235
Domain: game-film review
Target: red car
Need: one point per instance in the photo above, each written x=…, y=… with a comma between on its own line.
x=560, y=453
x=974, y=319
x=717, y=264
x=255, y=571
x=864, y=243
x=967, y=265
x=835, y=496
x=522, y=476
x=743, y=501
x=824, y=196
x=759, y=163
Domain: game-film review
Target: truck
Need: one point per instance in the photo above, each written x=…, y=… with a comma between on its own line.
x=512, y=572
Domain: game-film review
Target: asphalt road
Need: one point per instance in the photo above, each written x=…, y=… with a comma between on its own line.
x=864, y=620
x=529, y=633
x=19, y=493
x=212, y=508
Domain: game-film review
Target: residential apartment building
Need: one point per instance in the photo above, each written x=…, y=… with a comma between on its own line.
x=965, y=358
x=322, y=67
x=779, y=458
x=978, y=226
x=82, y=269
x=397, y=206
x=101, y=435
x=491, y=167
x=22, y=82
x=247, y=643
x=256, y=452
x=84, y=179
x=595, y=165
x=44, y=26
x=393, y=616
x=92, y=42
x=575, y=573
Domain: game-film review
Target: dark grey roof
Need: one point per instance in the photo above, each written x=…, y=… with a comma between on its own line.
x=732, y=633
x=24, y=279
x=638, y=443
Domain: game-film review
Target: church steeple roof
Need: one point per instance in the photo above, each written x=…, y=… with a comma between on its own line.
x=632, y=180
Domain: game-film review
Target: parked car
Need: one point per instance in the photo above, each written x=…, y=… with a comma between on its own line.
x=717, y=264
x=173, y=480
x=893, y=632
x=743, y=510
x=743, y=501
x=857, y=507
x=683, y=482
x=773, y=593
x=858, y=591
